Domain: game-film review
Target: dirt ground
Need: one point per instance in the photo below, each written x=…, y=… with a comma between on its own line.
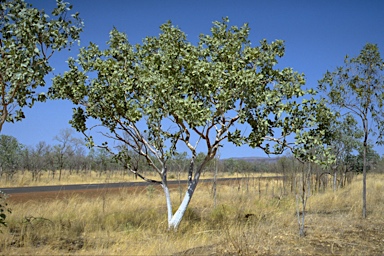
x=327, y=233
x=24, y=197
x=41, y=196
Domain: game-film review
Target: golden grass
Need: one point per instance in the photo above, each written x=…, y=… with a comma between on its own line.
x=242, y=223
x=24, y=179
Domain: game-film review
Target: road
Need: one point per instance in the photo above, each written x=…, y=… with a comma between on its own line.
x=58, y=188
x=50, y=192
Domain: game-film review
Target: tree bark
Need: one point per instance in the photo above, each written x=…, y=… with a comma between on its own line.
x=365, y=180
x=174, y=221
x=365, y=145
x=334, y=180
x=168, y=201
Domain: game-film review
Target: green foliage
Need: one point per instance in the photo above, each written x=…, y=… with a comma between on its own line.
x=155, y=96
x=176, y=89
x=347, y=138
x=355, y=162
x=29, y=37
x=10, y=151
x=358, y=88
x=233, y=165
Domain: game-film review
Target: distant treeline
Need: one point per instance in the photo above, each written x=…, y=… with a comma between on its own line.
x=71, y=154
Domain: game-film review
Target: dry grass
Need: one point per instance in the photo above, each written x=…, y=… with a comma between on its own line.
x=23, y=179
x=242, y=223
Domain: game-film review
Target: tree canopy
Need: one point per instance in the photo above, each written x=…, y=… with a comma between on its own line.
x=357, y=88
x=155, y=96
x=10, y=150
x=28, y=39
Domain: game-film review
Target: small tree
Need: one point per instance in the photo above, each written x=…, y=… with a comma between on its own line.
x=319, y=155
x=38, y=159
x=347, y=139
x=167, y=92
x=10, y=151
x=65, y=148
x=356, y=161
x=28, y=39
x=358, y=89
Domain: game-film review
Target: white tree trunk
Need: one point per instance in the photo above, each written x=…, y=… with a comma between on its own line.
x=168, y=200
x=174, y=221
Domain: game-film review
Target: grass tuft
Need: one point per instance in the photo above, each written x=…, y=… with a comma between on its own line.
x=249, y=219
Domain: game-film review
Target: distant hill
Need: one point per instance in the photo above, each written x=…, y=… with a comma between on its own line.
x=256, y=159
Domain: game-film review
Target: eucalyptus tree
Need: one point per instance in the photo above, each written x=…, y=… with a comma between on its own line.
x=28, y=39
x=167, y=93
x=319, y=155
x=77, y=157
x=285, y=166
x=38, y=159
x=10, y=160
x=347, y=139
x=63, y=151
x=104, y=161
x=10, y=151
x=355, y=162
x=357, y=88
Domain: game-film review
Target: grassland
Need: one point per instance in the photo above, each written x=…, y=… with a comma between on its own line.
x=23, y=179
x=246, y=220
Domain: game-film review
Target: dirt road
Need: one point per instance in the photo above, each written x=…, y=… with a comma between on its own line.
x=23, y=194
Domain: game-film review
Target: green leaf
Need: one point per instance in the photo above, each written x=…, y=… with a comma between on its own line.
x=29, y=38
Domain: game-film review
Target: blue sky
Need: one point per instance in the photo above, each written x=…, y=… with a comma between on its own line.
x=317, y=34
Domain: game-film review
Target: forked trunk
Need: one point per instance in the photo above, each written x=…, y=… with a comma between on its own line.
x=174, y=223
x=175, y=219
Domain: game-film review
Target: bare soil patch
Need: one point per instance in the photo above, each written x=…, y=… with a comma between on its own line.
x=242, y=224
x=92, y=193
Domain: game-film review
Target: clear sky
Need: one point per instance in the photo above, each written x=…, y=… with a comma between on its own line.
x=318, y=35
